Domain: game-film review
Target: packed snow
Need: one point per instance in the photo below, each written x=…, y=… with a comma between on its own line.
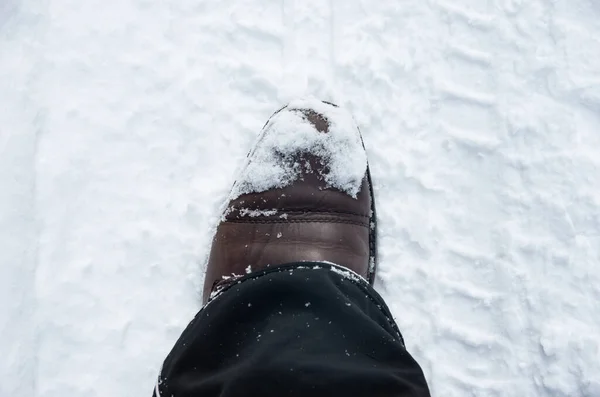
x=274, y=160
x=124, y=122
x=256, y=213
x=348, y=274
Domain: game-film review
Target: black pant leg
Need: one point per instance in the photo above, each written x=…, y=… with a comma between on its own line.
x=304, y=329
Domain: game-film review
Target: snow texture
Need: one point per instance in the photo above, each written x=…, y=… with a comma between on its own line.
x=348, y=274
x=255, y=213
x=274, y=161
x=122, y=124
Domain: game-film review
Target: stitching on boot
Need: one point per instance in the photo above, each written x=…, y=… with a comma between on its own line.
x=306, y=211
x=272, y=221
x=309, y=210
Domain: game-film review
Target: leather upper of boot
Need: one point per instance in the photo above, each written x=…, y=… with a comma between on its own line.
x=305, y=220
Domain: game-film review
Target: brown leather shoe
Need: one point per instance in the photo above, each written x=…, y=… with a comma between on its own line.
x=305, y=194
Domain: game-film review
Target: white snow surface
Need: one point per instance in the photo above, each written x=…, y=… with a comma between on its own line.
x=256, y=213
x=348, y=274
x=122, y=124
x=273, y=162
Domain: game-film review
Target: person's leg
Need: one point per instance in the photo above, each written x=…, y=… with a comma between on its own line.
x=303, y=329
x=295, y=325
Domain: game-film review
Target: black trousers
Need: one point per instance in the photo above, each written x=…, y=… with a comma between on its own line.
x=303, y=329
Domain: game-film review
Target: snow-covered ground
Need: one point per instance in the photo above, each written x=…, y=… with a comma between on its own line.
x=122, y=123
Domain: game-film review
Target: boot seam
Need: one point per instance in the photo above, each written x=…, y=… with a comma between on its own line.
x=311, y=210
x=284, y=221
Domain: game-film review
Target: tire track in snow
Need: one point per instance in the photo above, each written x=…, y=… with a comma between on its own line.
x=550, y=203
x=471, y=324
